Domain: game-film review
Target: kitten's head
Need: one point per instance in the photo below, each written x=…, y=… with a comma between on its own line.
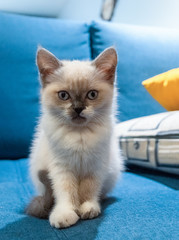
x=77, y=92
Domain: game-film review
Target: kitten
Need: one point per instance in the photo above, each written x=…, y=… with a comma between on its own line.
x=75, y=158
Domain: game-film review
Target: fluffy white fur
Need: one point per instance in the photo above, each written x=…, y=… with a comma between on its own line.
x=72, y=152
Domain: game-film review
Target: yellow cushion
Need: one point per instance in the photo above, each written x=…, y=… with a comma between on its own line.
x=165, y=89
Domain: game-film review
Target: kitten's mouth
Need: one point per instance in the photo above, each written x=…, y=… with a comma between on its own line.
x=78, y=119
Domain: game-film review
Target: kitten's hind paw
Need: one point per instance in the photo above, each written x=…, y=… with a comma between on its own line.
x=89, y=210
x=36, y=208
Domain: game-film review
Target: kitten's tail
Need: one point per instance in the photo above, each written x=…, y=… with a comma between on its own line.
x=38, y=207
x=41, y=206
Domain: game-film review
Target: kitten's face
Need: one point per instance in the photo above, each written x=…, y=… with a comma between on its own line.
x=75, y=92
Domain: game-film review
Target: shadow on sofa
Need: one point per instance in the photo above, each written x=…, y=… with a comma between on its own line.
x=170, y=180
x=36, y=229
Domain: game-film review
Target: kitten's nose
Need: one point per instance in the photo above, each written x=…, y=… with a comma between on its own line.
x=78, y=110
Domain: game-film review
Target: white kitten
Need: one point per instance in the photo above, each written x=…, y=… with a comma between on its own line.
x=75, y=158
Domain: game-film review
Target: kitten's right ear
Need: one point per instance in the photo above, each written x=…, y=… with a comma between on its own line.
x=47, y=63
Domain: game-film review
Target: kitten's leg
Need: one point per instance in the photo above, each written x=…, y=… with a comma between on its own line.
x=114, y=171
x=89, y=191
x=40, y=206
x=65, y=189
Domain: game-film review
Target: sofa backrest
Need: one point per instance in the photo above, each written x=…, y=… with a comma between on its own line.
x=19, y=85
x=143, y=52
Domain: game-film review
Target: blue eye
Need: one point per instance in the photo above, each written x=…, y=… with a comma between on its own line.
x=92, y=94
x=63, y=95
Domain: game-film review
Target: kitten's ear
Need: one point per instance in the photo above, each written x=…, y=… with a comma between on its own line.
x=106, y=63
x=47, y=63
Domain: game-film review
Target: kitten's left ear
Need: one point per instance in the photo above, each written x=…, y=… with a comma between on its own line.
x=106, y=63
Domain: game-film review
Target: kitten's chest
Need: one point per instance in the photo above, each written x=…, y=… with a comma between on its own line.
x=77, y=141
x=81, y=152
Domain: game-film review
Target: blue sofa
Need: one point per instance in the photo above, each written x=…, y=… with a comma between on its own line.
x=144, y=204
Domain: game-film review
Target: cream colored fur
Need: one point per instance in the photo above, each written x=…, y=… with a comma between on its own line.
x=82, y=159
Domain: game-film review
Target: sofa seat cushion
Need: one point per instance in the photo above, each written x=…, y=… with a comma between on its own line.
x=19, y=94
x=138, y=208
x=143, y=52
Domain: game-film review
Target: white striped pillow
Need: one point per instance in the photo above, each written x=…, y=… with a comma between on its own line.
x=152, y=141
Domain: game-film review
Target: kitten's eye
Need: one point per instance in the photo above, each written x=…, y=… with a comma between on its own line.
x=92, y=94
x=63, y=95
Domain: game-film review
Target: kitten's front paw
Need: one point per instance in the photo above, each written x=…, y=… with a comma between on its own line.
x=89, y=210
x=63, y=218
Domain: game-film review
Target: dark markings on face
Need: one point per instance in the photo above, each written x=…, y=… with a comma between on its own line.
x=78, y=105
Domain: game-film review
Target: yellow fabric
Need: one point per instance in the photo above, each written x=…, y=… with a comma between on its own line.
x=165, y=89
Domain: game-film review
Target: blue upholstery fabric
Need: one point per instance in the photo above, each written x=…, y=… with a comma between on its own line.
x=19, y=87
x=143, y=52
x=138, y=208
